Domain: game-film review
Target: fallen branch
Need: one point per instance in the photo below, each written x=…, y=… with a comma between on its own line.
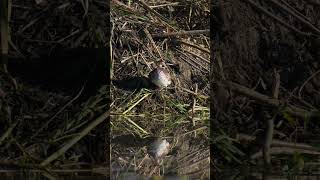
x=7, y=166
x=195, y=46
x=182, y=33
x=280, y=21
x=77, y=138
x=285, y=150
x=301, y=19
x=276, y=143
x=294, y=10
x=270, y=123
x=165, y=5
x=293, y=110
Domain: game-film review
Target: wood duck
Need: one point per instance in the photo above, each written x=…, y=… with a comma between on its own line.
x=66, y=70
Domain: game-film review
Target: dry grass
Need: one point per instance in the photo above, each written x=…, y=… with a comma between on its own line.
x=180, y=112
x=36, y=123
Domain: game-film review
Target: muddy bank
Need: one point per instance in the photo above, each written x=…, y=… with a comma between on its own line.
x=271, y=48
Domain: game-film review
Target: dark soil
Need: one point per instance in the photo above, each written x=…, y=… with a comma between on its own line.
x=250, y=46
x=49, y=62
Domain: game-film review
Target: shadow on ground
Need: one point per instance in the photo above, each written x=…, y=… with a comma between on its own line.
x=134, y=83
